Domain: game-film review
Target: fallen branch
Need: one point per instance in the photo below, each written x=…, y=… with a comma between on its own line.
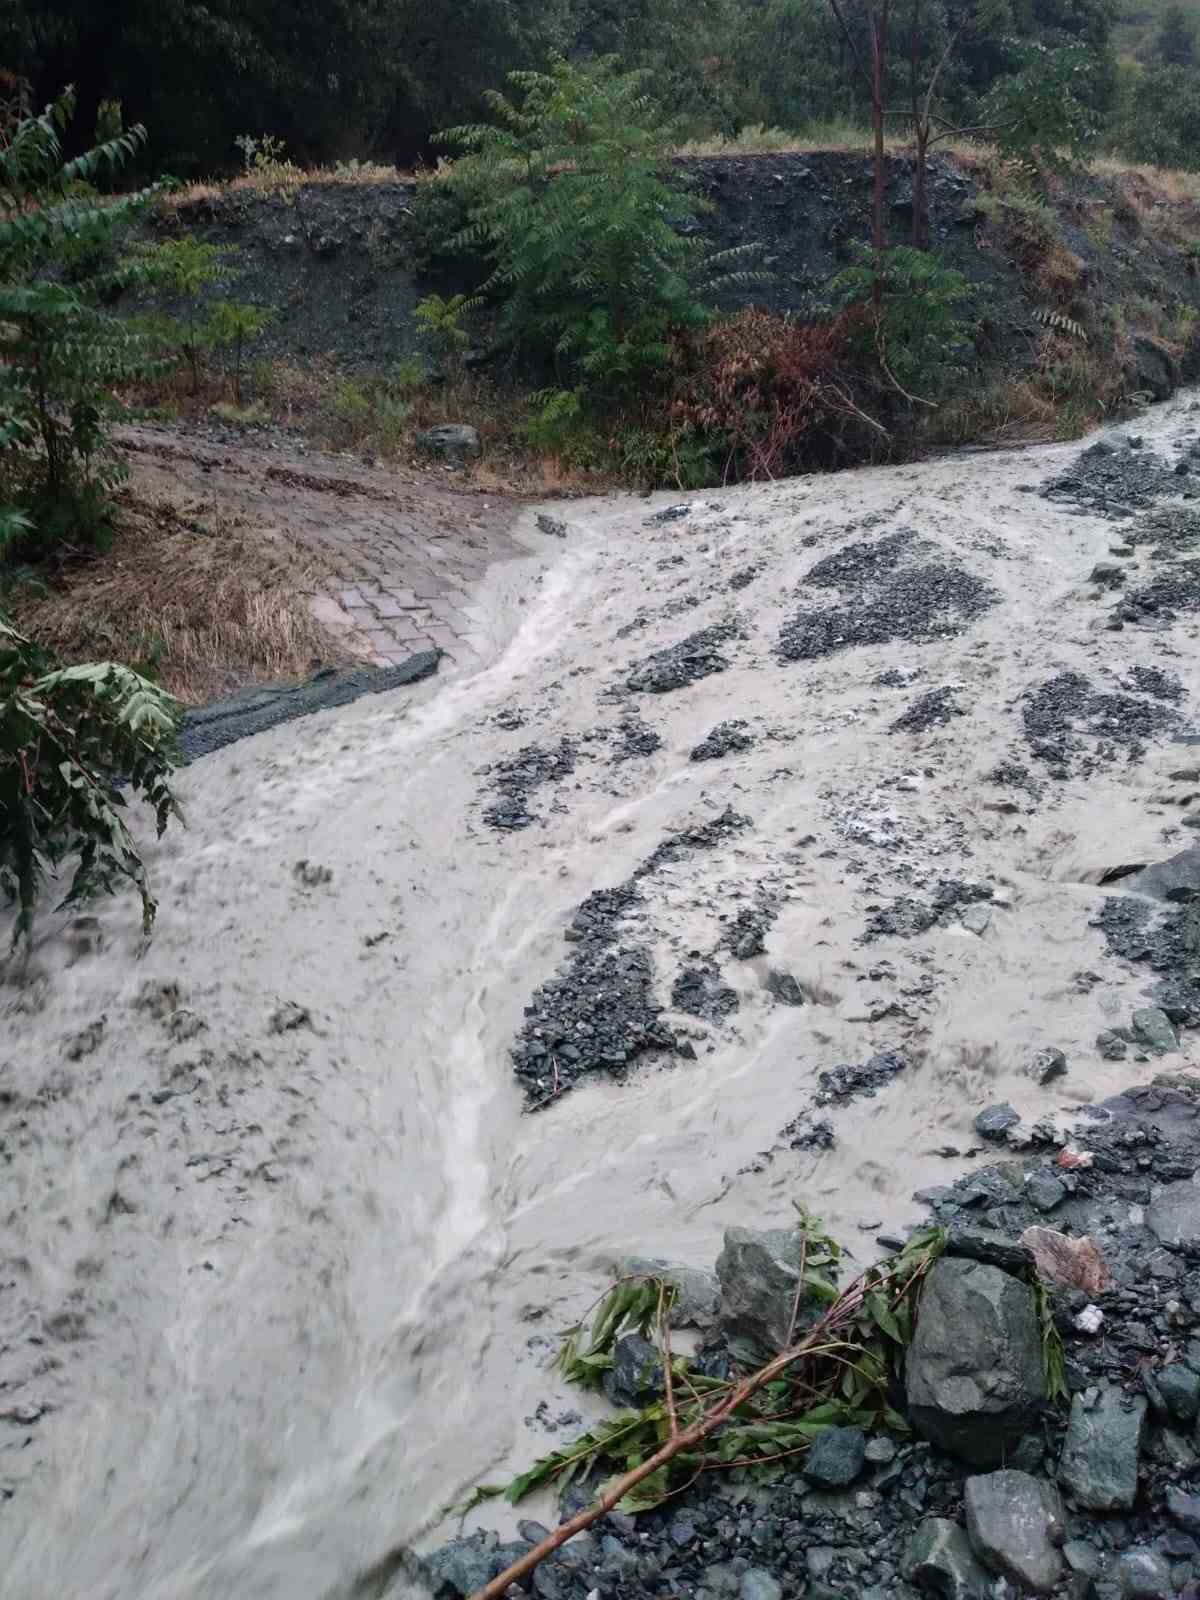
x=812, y=1343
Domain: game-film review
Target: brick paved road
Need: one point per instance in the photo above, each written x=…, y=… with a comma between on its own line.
x=396, y=555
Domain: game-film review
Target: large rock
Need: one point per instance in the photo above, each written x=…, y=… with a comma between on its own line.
x=1152, y=1026
x=697, y=1293
x=939, y=1559
x=1143, y=1574
x=1173, y=1217
x=974, y=1374
x=462, y=1567
x=454, y=440
x=1099, y=1464
x=1015, y=1525
x=758, y=1273
x=1164, y=880
x=636, y=1374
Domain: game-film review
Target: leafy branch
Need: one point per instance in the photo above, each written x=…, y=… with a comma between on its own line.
x=837, y=1372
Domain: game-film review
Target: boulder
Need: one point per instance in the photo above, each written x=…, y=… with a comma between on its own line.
x=1143, y=1575
x=464, y=1566
x=759, y=1585
x=939, y=1559
x=1015, y=1525
x=1047, y=1065
x=980, y=1243
x=994, y=1121
x=836, y=1458
x=1164, y=880
x=1173, y=1217
x=758, y=1273
x=1099, y=1464
x=1179, y=1387
x=697, y=1293
x=1153, y=1027
x=974, y=1375
x=1183, y=1509
x=454, y=440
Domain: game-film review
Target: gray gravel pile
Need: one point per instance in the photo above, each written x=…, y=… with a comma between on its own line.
x=934, y=709
x=1113, y=480
x=1071, y=726
x=900, y=587
x=908, y=916
x=726, y=739
x=519, y=776
x=254, y=710
x=698, y=656
x=598, y=1013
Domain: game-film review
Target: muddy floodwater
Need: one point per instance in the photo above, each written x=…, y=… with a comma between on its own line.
x=284, y=1245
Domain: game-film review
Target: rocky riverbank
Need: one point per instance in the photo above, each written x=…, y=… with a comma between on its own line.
x=1000, y=1488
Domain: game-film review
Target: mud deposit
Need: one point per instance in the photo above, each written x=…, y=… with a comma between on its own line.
x=285, y=1257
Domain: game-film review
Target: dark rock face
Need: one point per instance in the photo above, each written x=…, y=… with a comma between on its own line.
x=934, y=709
x=1015, y=1525
x=758, y=1273
x=1099, y=1462
x=995, y=1121
x=974, y=1374
x=699, y=991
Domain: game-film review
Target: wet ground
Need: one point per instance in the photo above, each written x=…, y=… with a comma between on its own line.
x=286, y=1253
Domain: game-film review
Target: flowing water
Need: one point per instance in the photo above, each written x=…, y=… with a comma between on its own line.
x=283, y=1258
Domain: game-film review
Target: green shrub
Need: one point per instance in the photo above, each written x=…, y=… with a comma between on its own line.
x=68, y=737
x=62, y=350
x=591, y=247
x=917, y=334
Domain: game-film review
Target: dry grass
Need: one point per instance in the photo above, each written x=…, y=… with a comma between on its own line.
x=269, y=179
x=205, y=606
x=373, y=416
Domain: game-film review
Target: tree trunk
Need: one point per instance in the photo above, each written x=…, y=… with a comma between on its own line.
x=879, y=40
x=920, y=228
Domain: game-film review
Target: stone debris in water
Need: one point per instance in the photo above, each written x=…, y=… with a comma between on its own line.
x=907, y=917
x=746, y=935
x=698, y=656
x=934, y=709
x=887, y=596
x=521, y=775
x=700, y=991
x=1113, y=480
x=636, y=740
x=1167, y=941
x=1063, y=713
x=727, y=738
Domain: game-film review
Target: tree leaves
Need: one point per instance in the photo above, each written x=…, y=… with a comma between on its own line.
x=844, y=1381
x=67, y=739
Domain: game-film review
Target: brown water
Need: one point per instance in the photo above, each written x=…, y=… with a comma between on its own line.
x=283, y=1292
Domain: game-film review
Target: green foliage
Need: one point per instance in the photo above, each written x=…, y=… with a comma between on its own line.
x=68, y=738
x=1054, y=1363
x=845, y=1380
x=1047, y=112
x=569, y=200
x=61, y=349
x=1175, y=42
x=184, y=267
x=232, y=322
x=1158, y=119
x=918, y=333
x=440, y=320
